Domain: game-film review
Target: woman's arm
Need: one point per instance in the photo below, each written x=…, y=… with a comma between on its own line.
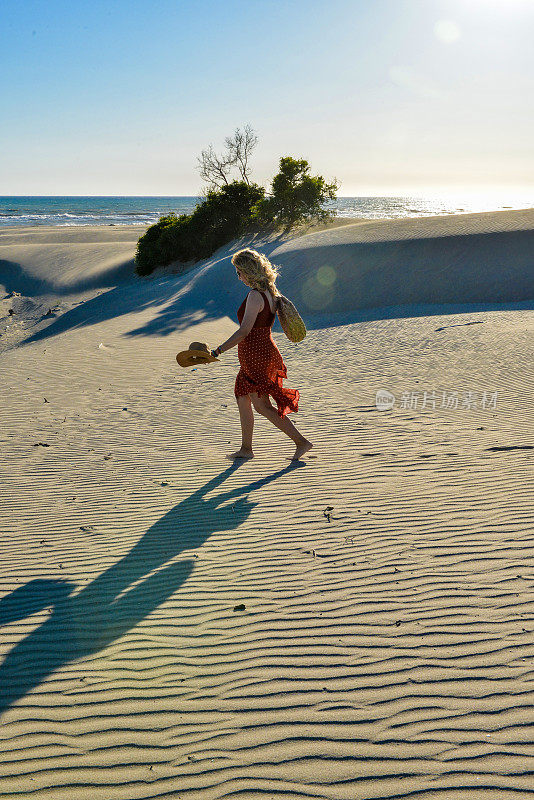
x=253, y=307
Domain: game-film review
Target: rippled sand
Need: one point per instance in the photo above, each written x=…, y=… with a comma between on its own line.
x=353, y=627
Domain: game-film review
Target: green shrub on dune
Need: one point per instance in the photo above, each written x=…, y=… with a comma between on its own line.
x=296, y=196
x=224, y=215
x=231, y=209
x=148, y=254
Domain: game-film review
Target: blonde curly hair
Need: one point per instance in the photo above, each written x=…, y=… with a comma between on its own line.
x=258, y=270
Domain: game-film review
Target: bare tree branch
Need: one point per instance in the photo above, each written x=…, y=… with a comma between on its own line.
x=215, y=169
x=240, y=148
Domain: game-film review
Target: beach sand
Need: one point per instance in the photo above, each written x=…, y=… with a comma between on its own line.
x=355, y=626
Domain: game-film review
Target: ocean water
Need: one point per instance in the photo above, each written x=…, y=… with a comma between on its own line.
x=143, y=211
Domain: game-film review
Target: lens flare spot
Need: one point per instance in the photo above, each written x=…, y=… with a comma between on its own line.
x=447, y=31
x=316, y=295
x=326, y=276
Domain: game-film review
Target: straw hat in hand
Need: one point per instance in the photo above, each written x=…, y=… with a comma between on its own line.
x=198, y=353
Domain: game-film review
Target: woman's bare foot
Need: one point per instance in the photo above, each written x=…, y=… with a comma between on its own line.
x=302, y=447
x=242, y=453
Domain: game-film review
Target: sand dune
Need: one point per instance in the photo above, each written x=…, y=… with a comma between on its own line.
x=473, y=258
x=352, y=628
x=341, y=274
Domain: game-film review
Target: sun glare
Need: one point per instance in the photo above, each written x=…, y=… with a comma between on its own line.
x=504, y=5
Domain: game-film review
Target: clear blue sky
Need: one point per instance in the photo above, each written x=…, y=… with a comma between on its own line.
x=389, y=96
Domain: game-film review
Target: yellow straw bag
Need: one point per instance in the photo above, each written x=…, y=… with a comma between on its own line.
x=290, y=319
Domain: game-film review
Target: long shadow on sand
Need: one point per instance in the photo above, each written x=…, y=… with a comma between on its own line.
x=375, y=280
x=176, y=297
x=108, y=305
x=14, y=278
x=83, y=623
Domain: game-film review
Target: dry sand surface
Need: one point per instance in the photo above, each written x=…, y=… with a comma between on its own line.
x=352, y=627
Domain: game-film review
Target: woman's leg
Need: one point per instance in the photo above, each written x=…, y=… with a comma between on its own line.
x=263, y=406
x=246, y=416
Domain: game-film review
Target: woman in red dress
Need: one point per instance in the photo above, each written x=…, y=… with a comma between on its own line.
x=262, y=367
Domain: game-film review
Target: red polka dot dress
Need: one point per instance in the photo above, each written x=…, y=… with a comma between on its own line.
x=262, y=367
